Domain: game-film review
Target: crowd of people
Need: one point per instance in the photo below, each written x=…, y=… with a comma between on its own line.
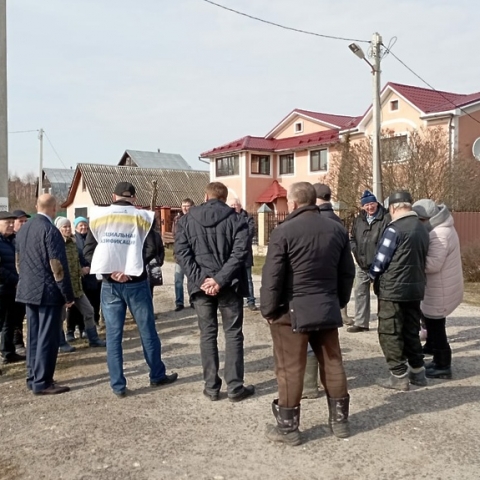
x=408, y=252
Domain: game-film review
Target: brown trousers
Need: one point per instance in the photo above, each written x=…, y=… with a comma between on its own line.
x=290, y=351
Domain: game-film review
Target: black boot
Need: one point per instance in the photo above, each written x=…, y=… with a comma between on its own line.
x=338, y=416
x=286, y=430
x=440, y=367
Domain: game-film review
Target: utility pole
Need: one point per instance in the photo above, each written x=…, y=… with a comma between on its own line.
x=3, y=108
x=377, y=166
x=40, y=172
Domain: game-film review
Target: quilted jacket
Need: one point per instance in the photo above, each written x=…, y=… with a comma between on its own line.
x=40, y=251
x=8, y=271
x=444, y=289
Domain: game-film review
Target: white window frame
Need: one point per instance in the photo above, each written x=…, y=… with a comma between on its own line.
x=398, y=105
x=295, y=131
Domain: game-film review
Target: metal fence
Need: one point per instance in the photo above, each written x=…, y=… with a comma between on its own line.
x=467, y=225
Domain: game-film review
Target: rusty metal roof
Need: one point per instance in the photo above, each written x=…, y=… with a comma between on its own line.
x=172, y=185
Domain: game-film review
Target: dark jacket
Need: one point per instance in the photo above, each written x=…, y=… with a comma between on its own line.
x=148, y=253
x=326, y=210
x=44, y=278
x=89, y=282
x=211, y=242
x=404, y=279
x=251, y=232
x=309, y=270
x=8, y=270
x=364, y=237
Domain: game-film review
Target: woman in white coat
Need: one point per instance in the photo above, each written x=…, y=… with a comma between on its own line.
x=444, y=288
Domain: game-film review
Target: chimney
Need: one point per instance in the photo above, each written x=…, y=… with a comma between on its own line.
x=158, y=150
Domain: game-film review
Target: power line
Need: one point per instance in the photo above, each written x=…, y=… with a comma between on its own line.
x=332, y=37
x=24, y=131
x=53, y=148
x=428, y=85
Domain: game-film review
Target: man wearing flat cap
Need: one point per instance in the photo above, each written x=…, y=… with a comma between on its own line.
x=8, y=287
x=398, y=271
x=119, y=245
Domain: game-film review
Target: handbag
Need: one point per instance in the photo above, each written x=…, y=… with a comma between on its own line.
x=154, y=272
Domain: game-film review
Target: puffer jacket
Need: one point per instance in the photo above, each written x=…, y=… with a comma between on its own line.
x=444, y=289
x=74, y=266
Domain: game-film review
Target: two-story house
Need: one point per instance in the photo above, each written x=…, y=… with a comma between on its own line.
x=302, y=146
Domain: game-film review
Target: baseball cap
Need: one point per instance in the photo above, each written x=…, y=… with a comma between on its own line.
x=20, y=214
x=323, y=191
x=7, y=216
x=124, y=189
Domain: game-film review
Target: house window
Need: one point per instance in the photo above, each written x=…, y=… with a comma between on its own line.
x=227, y=166
x=298, y=127
x=286, y=164
x=393, y=105
x=318, y=160
x=81, y=212
x=260, y=164
x=394, y=149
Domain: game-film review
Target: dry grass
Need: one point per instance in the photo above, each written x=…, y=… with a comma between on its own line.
x=472, y=294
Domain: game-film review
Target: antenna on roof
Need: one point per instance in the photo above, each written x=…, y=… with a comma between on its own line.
x=158, y=150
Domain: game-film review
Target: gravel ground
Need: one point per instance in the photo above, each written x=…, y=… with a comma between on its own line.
x=175, y=433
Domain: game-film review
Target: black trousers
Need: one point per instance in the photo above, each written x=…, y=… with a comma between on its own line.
x=20, y=312
x=7, y=325
x=436, y=333
x=43, y=325
x=93, y=295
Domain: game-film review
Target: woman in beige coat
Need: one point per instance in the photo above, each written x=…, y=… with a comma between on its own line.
x=444, y=288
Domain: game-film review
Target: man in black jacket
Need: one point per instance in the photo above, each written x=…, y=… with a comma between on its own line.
x=211, y=248
x=367, y=230
x=8, y=286
x=119, y=245
x=399, y=273
x=307, y=278
x=237, y=206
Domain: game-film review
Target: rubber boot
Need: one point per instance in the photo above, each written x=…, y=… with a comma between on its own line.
x=310, y=379
x=440, y=367
x=286, y=430
x=93, y=339
x=338, y=409
x=417, y=378
x=345, y=318
x=395, y=382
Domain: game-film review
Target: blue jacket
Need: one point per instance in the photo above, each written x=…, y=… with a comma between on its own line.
x=43, y=267
x=8, y=270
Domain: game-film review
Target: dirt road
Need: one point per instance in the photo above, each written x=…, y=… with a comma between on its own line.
x=175, y=433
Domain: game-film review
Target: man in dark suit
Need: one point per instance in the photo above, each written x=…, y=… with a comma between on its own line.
x=44, y=286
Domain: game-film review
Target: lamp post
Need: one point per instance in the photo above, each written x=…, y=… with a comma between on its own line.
x=3, y=108
x=375, y=66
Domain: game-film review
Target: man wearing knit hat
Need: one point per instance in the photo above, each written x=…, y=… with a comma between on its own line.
x=398, y=272
x=366, y=231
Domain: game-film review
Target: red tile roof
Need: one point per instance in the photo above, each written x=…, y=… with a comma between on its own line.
x=433, y=101
x=271, y=145
x=274, y=191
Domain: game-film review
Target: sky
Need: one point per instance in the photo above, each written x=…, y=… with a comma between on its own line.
x=184, y=76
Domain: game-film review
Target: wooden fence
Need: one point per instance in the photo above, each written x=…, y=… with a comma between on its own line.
x=467, y=225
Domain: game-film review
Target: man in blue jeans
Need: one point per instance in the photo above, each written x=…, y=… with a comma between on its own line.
x=120, y=243
x=179, y=273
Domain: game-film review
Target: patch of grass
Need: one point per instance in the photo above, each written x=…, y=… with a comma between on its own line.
x=472, y=294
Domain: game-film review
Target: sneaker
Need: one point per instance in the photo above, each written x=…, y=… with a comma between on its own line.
x=121, y=393
x=178, y=308
x=252, y=307
x=395, y=383
x=246, y=392
x=357, y=329
x=165, y=381
x=418, y=378
x=212, y=396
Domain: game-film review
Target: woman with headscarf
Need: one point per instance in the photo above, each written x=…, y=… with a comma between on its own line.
x=81, y=300
x=444, y=288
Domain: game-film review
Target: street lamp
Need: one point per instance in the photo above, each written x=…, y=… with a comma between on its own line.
x=376, y=167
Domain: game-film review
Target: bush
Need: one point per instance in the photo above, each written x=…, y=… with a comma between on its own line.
x=471, y=262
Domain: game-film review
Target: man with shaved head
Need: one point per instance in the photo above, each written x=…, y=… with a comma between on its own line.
x=45, y=287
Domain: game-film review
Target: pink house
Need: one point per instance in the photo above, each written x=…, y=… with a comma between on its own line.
x=299, y=148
